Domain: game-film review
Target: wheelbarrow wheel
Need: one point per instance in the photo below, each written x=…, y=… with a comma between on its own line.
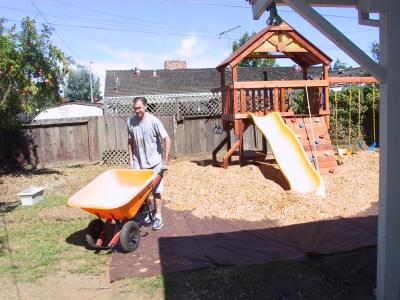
x=130, y=236
x=92, y=232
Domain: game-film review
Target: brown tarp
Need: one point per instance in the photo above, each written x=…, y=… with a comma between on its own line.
x=187, y=242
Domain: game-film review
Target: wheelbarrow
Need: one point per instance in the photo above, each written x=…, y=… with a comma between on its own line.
x=120, y=197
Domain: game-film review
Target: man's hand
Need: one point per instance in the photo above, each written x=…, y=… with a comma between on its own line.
x=166, y=164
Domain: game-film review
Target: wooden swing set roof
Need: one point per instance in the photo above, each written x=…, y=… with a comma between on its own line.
x=278, y=42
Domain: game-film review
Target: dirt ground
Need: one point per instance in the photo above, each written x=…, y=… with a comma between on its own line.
x=253, y=192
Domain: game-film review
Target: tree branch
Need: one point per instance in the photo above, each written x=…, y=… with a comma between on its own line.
x=4, y=98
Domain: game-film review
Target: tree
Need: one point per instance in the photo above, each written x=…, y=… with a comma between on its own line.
x=31, y=71
x=375, y=51
x=78, y=84
x=252, y=62
x=339, y=66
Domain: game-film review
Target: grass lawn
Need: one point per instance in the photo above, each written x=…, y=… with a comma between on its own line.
x=34, y=244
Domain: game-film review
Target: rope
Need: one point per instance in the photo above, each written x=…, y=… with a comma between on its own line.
x=359, y=111
x=350, y=104
x=373, y=111
x=336, y=119
x=312, y=131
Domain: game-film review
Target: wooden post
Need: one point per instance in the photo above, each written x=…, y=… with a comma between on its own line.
x=227, y=156
x=276, y=99
x=326, y=94
x=266, y=101
x=224, y=96
x=228, y=139
x=174, y=124
x=290, y=104
x=248, y=100
x=241, y=150
x=282, y=97
x=242, y=101
x=234, y=74
x=305, y=77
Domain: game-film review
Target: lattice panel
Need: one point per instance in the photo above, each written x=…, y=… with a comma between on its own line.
x=115, y=157
x=163, y=108
x=181, y=105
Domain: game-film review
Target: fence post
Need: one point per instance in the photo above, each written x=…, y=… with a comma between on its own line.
x=174, y=124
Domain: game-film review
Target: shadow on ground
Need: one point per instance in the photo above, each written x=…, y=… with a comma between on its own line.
x=77, y=238
x=268, y=169
x=215, y=258
x=6, y=207
x=350, y=275
x=273, y=173
x=17, y=171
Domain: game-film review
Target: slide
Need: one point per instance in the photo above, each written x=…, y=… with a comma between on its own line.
x=289, y=154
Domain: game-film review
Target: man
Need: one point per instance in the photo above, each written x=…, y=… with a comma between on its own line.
x=145, y=135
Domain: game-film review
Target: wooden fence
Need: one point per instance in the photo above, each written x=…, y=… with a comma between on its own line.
x=87, y=139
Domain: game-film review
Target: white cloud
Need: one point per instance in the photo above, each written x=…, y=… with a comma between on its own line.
x=189, y=47
x=196, y=52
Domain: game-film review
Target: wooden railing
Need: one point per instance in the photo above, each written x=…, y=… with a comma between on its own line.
x=260, y=97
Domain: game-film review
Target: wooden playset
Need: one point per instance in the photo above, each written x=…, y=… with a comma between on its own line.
x=240, y=99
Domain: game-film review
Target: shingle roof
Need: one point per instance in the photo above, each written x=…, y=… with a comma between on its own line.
x=309, y=55
x=196, y=80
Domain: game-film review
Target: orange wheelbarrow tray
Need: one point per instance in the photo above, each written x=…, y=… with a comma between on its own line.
x=117, y=195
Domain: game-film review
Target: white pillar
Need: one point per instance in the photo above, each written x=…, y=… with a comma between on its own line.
x=388, y=281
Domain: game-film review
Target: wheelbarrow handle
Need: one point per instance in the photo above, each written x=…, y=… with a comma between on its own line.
x=157, y=179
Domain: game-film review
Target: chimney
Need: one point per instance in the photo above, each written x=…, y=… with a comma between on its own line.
x=174, y=64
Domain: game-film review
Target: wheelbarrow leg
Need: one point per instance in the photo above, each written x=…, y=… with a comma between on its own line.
x=115, y=239
x=102, y=236
x=149, y=211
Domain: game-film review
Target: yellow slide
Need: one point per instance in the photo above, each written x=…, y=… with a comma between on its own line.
x=289, y=154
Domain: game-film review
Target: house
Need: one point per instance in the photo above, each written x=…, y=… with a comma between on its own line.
x=120, y=83
x=72, y=109
x=135, y=82
x=187, y=92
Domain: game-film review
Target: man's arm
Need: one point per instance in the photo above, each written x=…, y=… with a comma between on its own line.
x=167, y=147
x=130, y=152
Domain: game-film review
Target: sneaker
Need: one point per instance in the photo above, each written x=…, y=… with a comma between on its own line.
x=147, y=221
x=158, y=224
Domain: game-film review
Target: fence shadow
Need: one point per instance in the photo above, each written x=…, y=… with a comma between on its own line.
x=17, y=148
x=17, y=171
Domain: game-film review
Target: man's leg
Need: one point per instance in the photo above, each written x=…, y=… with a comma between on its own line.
x=157, y=203
x=158, y=221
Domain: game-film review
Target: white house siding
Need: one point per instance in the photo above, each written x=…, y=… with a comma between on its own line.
x=69, y=111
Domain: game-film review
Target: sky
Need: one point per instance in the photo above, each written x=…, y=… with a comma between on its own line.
x=122, y=35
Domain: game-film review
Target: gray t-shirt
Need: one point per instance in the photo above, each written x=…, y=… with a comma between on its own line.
x=146, y=136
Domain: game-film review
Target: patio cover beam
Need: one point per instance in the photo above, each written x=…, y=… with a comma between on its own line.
x=339, y=39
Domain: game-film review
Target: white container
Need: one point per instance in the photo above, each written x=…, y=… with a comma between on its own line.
x=31, y=195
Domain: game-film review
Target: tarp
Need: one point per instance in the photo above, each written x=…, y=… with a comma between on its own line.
x=187, y=242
